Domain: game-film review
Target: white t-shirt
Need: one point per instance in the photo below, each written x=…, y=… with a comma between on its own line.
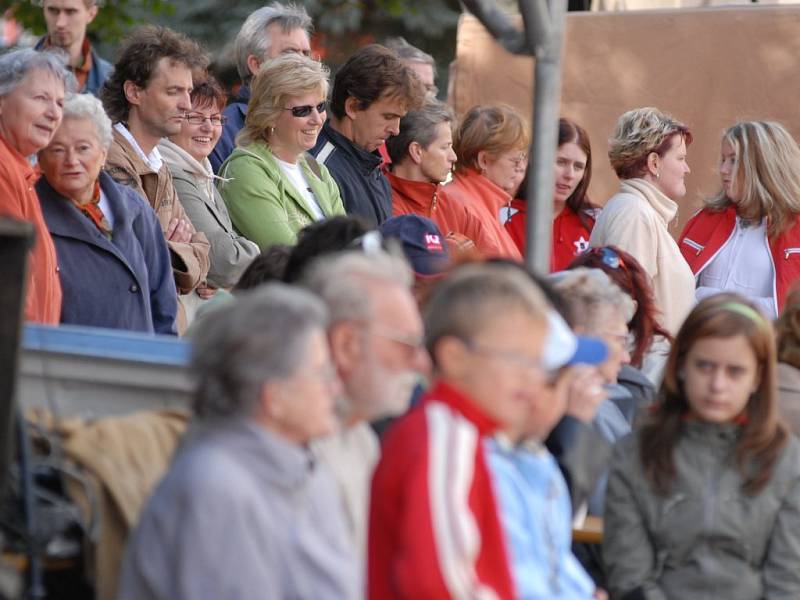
x=744, y=266
x=298, y=179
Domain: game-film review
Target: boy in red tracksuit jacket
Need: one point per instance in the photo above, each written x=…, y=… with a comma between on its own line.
x=434, y=529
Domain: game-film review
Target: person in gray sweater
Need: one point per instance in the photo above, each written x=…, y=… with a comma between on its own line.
x=245, y=510
x=704, y=500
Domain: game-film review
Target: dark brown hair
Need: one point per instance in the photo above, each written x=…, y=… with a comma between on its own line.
x=138, y=58
x=208, y=92
x=570, y=132
x=762, y=437
x=634, y=281
x=372, y=73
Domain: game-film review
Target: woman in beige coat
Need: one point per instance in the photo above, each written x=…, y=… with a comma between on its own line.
x=186, y=155
x=648, y=153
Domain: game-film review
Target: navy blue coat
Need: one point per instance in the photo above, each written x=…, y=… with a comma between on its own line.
x=364, y=188
x=125, y=283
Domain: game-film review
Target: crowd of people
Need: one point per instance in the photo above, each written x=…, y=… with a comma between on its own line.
x=388, y=403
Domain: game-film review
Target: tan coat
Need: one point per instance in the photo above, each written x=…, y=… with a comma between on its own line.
x=789, y=396
x=190, y=260
x=636, y=220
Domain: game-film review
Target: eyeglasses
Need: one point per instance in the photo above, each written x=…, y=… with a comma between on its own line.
x=215, y=120
x=522, y=362
x=410, y=343
x=520, y=161
x=305, y=110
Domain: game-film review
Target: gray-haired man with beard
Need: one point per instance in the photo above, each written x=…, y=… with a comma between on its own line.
x=376, y=341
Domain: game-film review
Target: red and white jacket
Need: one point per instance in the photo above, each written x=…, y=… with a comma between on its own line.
x=706, y=233
x=434, y=529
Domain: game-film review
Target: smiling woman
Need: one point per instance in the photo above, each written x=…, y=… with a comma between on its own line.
x=271, y=186
x=32, y=87
x=114, y=264
x=186, y=154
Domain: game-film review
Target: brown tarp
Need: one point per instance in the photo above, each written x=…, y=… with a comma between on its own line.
x=707, y=67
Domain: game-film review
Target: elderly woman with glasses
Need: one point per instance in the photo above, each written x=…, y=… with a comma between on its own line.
x=491, y=145
x=186, y=154
x=113, y=260
x=271, y=186
x=32, y=86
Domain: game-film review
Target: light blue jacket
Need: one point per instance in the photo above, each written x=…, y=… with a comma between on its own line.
x=536, y=515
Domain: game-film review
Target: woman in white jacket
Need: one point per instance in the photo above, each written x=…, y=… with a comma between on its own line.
x=648, y=153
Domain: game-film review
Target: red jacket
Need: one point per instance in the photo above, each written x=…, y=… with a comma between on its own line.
x=434, y=530
x=426, y=199
x=570, y=236
x=707, y=231
x=483, y=199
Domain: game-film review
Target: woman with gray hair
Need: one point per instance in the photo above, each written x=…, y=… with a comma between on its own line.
x=32, y=88
x=648, y=153
x=272, y=187
x=113, y=261
x=245, y=511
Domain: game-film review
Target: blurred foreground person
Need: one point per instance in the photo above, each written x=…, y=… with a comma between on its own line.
x=245, y=511
x=533, y=497
x=434, y=529
x=747, y=238
x=32, y=86
x=113, y=260
x=650, y=342
x=704, y=500
x=788, y=334
x=376, y=341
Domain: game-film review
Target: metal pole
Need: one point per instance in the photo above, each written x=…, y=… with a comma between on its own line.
x=546, y=109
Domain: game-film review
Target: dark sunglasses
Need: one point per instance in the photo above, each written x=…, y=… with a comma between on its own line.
x=305, y=110
x=609, y=257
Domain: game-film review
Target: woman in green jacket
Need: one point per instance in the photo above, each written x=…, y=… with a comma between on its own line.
x=271, y=187
x=704, y=501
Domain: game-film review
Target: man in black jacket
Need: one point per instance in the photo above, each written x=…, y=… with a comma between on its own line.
x=371, y=93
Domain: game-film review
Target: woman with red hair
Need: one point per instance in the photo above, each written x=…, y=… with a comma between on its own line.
x=650, y=341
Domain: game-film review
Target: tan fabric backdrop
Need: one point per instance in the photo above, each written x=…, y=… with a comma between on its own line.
x=708, y=67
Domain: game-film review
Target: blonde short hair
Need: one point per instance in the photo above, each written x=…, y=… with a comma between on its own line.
x=638, y=133
x=278, y=80
x=768, y=165
x=493, y=129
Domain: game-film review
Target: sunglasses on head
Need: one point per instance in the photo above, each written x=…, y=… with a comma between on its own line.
x=609, y=257
x=305, y=110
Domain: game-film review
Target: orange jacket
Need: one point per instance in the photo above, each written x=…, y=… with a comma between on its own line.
x=483, y=199
x=426, y=199
x=18, y=200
